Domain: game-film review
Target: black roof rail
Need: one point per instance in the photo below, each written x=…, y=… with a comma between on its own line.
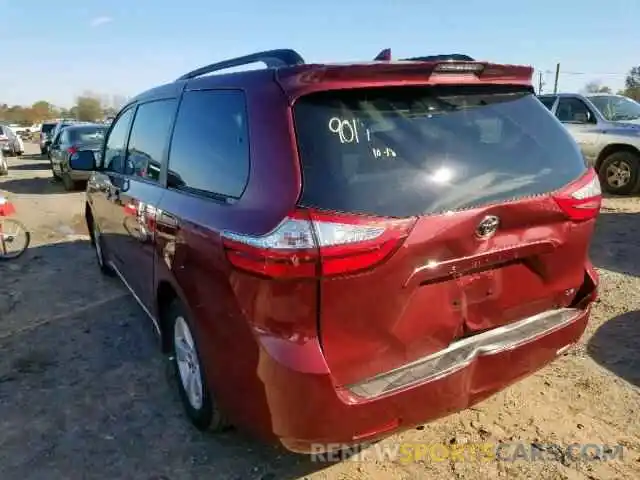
x=384, y=55
x=271, y=58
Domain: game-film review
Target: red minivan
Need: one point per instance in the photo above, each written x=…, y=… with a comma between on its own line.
x=335, y=252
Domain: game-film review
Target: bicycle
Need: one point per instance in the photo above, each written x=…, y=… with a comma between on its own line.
x=11, y=230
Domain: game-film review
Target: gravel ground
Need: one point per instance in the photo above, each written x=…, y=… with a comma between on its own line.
x=84, y=392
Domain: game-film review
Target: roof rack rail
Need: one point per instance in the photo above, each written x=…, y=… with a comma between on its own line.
x=271, y=58
x=385, y=55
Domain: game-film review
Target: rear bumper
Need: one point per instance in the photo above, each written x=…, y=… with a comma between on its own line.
x=308, y=411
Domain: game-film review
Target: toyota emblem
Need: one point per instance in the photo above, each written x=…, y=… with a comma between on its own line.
x=488, y=226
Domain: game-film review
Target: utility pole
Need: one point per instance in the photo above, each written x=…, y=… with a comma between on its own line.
x=540, y=82
x=555, y=84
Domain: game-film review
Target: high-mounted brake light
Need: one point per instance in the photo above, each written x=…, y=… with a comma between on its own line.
x=582, y=199
x=454, y=67
x=309, y=243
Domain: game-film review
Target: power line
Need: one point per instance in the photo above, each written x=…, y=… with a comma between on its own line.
x=595, y=74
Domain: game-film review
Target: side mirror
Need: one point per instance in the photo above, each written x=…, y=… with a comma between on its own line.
x=84, y=161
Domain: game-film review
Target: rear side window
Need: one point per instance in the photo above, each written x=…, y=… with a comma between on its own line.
x=149, y=138
x=404, y=151
x=210, y=146
x=87, y=134
x=47, y=127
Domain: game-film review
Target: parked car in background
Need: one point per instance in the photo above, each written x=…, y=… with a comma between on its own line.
x=607, y=129
x=74, y=141
x=4, y=166
x=10, y=143
x=55, y=137
x=46, y=131
x=332, y=253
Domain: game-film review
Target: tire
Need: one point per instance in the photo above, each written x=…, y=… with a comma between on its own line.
x=98, y=246
x=201, y=409
x=10, y=226
x=69, y=185
x=4, y=167
x=53, y=173
x=620, y=172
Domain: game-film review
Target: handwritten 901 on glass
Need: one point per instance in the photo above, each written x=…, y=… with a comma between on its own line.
x=347, y=132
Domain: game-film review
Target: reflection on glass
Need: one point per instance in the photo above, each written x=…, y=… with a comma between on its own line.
x=616, y=108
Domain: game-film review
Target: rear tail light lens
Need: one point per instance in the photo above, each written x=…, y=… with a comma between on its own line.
x=310, y=244
x=72, y=150
x=582, y=199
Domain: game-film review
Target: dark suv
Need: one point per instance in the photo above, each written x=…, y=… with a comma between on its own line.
x=46, y=131
x=334, y=252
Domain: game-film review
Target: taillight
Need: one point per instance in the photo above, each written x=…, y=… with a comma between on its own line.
x=72, y=150
x=309, y=243
x=582, y=199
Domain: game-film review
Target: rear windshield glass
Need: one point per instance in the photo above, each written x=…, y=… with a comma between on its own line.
x=87, y=134
x=404, y=151
x=47, y=127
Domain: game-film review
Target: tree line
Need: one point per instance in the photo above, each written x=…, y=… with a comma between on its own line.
x=631, y=86
x=88, y=107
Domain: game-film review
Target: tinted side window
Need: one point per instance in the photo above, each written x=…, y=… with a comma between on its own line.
x=573, y=110
x=149, y=135
x=548, y=101
x=210, y=146
x=56, y=138
x=114, y=150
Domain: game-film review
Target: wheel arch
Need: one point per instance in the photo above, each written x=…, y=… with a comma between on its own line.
x=165, y=295
x=88, y=217
x=615, y=148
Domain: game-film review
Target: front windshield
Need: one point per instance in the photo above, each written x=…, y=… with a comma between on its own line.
x=616, y=108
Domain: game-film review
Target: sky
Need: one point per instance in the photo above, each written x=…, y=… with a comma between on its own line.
x=56, y=50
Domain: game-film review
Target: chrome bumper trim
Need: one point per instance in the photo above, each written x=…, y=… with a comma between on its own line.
x=463, y=352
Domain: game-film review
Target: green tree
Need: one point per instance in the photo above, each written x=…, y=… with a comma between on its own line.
x=88, y=109
x=632, y=84
x=41, y=110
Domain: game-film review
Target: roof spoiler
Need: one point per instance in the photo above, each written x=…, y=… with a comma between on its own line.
x=446, y=63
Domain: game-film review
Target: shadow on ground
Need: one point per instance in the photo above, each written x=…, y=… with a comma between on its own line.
x=616, y=346
x=34, y=156
x=616, y=243
x=84, y=389
x=40, y=165
x=34, y=185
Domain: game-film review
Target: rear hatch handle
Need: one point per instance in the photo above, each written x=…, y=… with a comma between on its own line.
x=436, y=271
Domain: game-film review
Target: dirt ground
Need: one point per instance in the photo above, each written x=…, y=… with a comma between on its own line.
x=84, y=390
